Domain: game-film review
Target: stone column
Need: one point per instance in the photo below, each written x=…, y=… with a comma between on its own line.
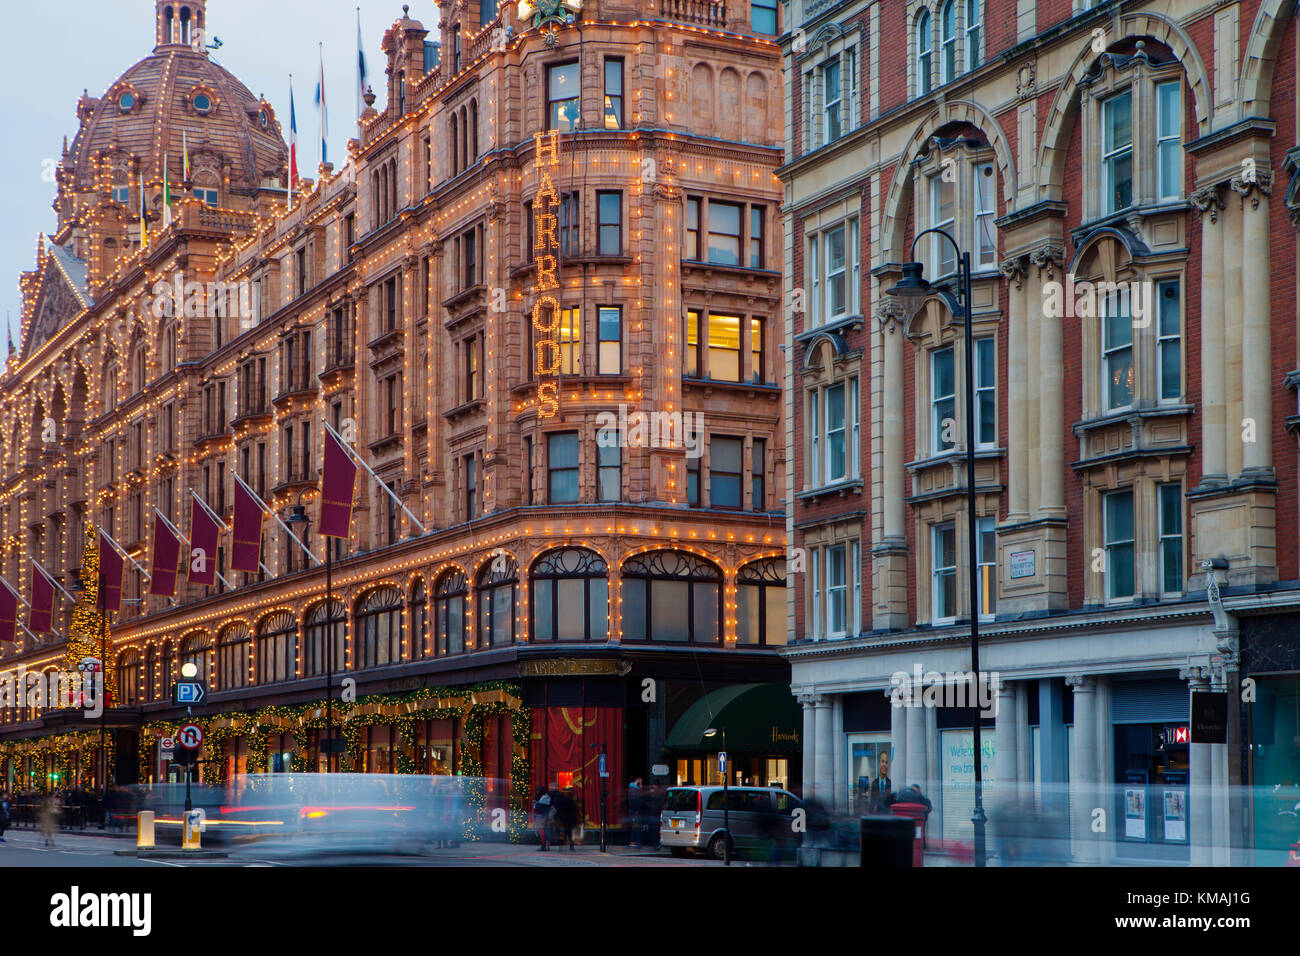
x=889, y=555
x=1006, y=770
x=916, y=747
x=839, y=759
x=1025, y=780
x=809, y=702
x=1214, y=452
x=1083, y=768
x=1199, y=800
x=1256, y=351
x=824, y=771
x=897, y=740
x=1050, y=373
x=1232, y=330
x=1017, y=470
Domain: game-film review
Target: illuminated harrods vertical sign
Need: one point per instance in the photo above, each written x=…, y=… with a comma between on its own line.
x=546, y=310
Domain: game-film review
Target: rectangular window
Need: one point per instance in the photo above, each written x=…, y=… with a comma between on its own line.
x=528, y=473
x=1117, y=152
x=943, y=576
x=849, y=80
x=471, y=488
x=943, y=401
x=692, y=336
x=724, y=233
x=836, y=299
x=609, y=332
x=1169, y=146
x=756, y=237
x=562, y=467
x=562, y=96
x=1118, y=541
x=613, y=93
x=972, y=34
x=758, y=472
x=762, y=17
x=302, y=271
x=836, y=590
x=570, y=220
x=831, y=125
x=473, y=384
x=1117, y=352
x=692, y=250
x=986, y=541
x=726, y=457
x=817, y=596
x=693, y=481
x=392, y=401
x=986, y=243
x=943, y=205
x=609, y=209
x=815, y=441
x=986, y=393
x=1169, y=344
x=756, y=349
x=1171, y=538
x=724, y=347
x=570, y=339
x=609, y=472
x=835, y=434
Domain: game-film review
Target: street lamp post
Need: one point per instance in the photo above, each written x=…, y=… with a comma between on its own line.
x=189, y=670
x=913, y=290
x=726, y=796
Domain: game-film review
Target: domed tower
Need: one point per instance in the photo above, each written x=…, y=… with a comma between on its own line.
x=178, y=104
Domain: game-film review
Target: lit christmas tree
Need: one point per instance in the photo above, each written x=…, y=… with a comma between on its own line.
x=87, y=636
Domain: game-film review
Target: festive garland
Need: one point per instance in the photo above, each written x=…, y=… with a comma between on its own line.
x=61, y=747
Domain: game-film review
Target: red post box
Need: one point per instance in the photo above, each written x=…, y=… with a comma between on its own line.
x=916, y=812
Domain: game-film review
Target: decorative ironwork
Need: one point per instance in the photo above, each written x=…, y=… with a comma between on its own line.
x=570, y=563
x=766, y=571
x=672, y=565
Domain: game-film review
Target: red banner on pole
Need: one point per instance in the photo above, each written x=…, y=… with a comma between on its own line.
x=111, y=568
x=203, y=544
x=166, y=558
x=246, y=551
x=337, y=486
x=8, y=614
x=40, y=618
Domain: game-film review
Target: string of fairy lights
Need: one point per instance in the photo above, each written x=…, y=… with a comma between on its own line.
x=267, y=236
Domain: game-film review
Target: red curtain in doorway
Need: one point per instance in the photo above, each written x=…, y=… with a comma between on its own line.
x=572, y=739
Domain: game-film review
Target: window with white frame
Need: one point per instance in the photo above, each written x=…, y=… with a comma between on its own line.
x=948, y=41
x=1116, y=352
x=837, y=590
x=943, y=400
x=1169, y=359
x=943, y=204
x=834, y=264
x=1118, y=541
x=1169, y=140
x=986, y=553
x=923, y=53
x=986, y=393
x=831, y=116
x=972, y=34
x=835, y=433
x=1117, y=152
x=943, y=572
x=984, y=210
x=1171, y=537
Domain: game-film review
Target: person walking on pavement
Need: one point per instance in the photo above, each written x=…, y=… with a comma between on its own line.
x=49, y=817
x=566, y=815
x=543, y=811
x=634, y=814
x=4, y=815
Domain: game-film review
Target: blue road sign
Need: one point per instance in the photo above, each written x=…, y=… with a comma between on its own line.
x=190, y=692
x=722, y=762
x=603, y=771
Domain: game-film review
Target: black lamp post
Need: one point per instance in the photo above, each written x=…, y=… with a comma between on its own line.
x=912, y=290
x=726, y=796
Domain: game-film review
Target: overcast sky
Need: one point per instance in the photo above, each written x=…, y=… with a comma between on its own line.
x=90, y=43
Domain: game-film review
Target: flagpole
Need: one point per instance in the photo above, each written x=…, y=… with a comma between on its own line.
x=224, y=527
x=322, y=115
x=370, y=471
x=49, y=577
x=125, y=553
x=293, y=144
x=35, y=637
x=267, y=510
x=177, y=531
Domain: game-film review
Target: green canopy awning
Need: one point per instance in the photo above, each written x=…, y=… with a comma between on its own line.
x=758, y=719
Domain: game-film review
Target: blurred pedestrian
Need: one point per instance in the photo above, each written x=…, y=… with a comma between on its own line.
x=566, y=815
x=4, y=815
x=543, y=812
x=635, y=812
x=49, y=816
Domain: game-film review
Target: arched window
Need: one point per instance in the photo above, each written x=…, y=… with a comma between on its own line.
x=972, y=34
x=277, y=640
x=169, y=342
x=379, y=628
x=129, y=674
x=111, y=391
x=455, y=143
x=948, y=40
x=421, y=644
x=232, y=656
x=672, y=596
x=570, y=596
x=197, y=649
x=315, y=644
x=151, y=688
x=165, y=676
x=923, y=53
x=497, y=585
x=760, y=603
x=139, y=368
x=449, y=622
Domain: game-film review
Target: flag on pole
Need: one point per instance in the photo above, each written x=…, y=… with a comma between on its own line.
x=8, y=613
x=40, y=619
x=322, y=112
x=246, y=552
x=361, y=68
x=144, y=226
x=111, y=568
x=337, y=486
x=167, y=195
x=293, y=144
x=185, y=158
x=166, y=558
x=203, y=544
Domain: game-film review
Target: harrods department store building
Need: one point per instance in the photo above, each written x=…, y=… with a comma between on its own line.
x=565, y=598
x=1123, y=457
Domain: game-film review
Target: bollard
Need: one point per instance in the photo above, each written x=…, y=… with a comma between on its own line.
x=192, y=825
x=144, y=830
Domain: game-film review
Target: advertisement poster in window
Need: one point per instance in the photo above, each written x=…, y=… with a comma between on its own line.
x=1135, y=805
x=870, y=760
x=1175, y=807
